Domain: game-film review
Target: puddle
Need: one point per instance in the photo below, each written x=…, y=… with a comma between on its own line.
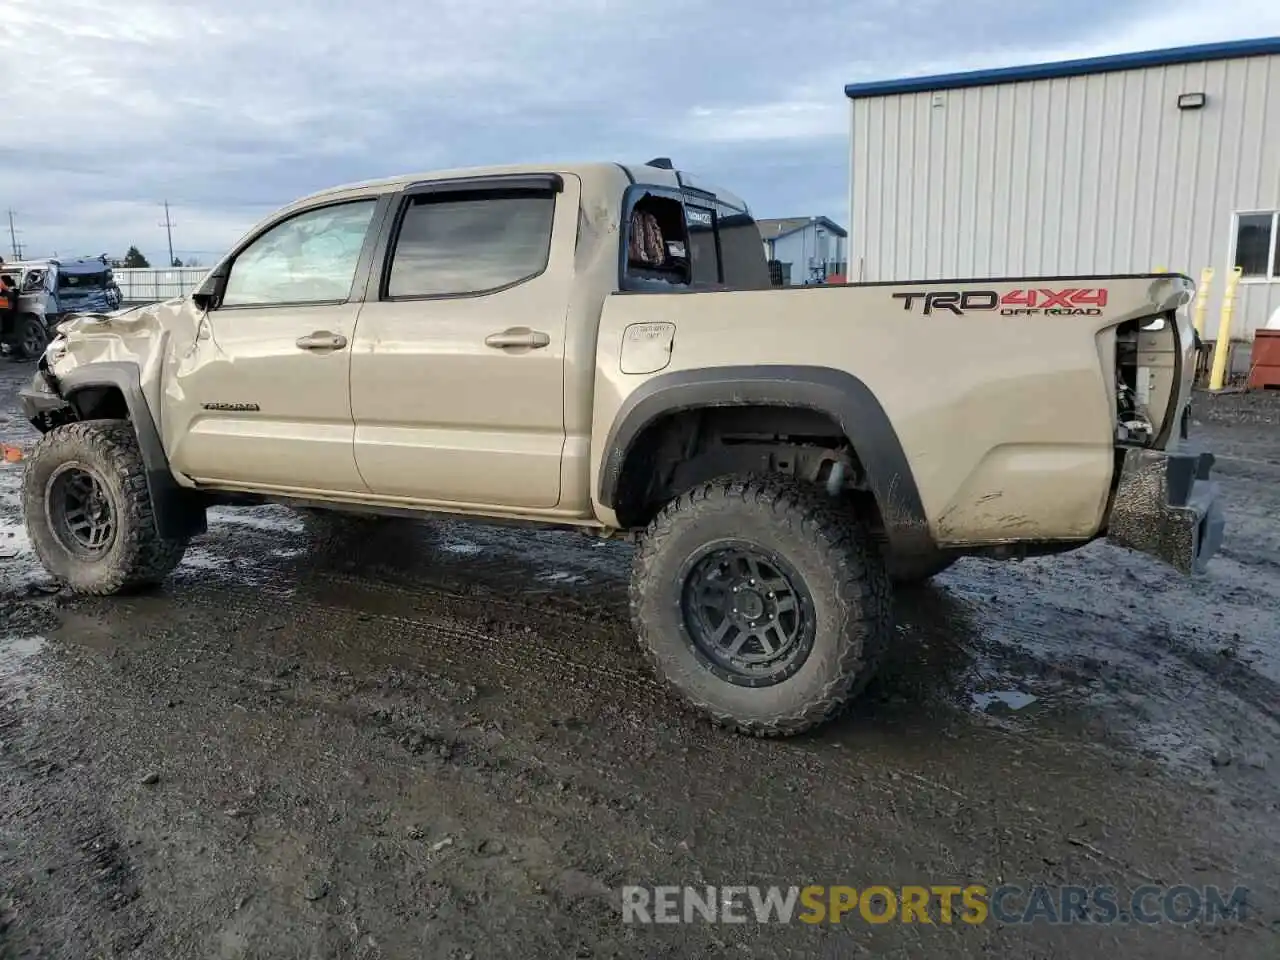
x=462, y=547
x=270, y=519
x=13, y=540
x=1003, y=700
x=562, y=576
x=14, y=654
x=204, y=560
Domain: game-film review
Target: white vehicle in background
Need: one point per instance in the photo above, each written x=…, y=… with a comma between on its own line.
x=50, y=291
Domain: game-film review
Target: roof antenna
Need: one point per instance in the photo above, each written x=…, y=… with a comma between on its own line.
x=662, y=163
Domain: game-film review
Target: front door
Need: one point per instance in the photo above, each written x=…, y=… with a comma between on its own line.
x=264, y=392
x=457, y=373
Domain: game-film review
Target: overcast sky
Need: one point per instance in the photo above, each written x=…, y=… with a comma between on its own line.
x=230, y=108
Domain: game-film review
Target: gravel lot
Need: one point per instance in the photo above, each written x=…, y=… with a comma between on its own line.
x=439, y=740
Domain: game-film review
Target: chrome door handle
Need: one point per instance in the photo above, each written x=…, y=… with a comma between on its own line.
x=322, y=340
x=518, y=337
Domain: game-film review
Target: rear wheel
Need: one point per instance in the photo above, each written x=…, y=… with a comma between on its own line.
x=88, y=510
x=764, y=605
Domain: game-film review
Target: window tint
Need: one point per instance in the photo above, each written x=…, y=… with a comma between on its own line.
x=1256, y=245
x=741, y=252
x=308, y=258
x=83, y=281
x=703, y=254
x=471, y=244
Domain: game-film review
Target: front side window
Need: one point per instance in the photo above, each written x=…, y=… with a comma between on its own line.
x=455, y=245
x=309, y=258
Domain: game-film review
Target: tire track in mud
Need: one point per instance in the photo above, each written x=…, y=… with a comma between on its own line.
x=809, y=762
x=463, y=644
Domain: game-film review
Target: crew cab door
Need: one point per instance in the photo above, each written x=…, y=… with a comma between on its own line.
x=457, y=370
x=262, y=399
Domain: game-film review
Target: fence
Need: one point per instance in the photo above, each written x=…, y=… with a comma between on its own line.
x=150, y=284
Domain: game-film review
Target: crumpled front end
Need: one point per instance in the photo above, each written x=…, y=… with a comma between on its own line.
x=1165, y=505
x=136, y=337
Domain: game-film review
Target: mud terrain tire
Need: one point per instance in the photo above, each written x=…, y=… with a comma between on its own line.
x=101, y=456
x=29, y=337
x=836, y=574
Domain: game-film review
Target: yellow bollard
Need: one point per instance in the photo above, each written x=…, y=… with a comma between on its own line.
x=1202, y=299
x=1222, y=342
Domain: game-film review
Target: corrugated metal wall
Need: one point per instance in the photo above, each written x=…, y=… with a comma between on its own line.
x=151, y=284
x=1090, y=174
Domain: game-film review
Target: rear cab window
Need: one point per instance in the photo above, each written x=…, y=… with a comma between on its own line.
x=688, y=238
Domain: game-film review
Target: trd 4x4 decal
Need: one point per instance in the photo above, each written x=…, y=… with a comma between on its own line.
x=1072, y=302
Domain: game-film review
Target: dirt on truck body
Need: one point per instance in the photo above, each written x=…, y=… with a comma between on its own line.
x=598, y=347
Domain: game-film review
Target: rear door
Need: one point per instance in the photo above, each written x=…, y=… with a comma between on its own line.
x=265, y=387
x=457, y=371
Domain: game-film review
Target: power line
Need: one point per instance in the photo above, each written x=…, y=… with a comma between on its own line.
x=168, y=228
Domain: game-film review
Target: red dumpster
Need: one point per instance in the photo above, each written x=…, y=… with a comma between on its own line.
x=1265, y=360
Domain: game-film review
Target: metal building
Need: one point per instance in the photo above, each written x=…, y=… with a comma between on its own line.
x=1167, y=159
x=809, y=249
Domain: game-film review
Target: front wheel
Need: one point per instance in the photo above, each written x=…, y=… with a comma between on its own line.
x=762, y=603
x=88, y=510
x=29, y=337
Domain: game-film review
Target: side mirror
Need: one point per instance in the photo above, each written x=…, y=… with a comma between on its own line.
x=209, y=294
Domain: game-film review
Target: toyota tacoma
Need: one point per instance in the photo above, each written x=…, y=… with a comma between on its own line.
x=600, y=347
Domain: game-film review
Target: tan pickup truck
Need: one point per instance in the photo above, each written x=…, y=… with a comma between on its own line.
x=599, y=346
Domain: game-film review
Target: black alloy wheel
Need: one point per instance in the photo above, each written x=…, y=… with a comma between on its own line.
x=79, y=511
x=747, y=613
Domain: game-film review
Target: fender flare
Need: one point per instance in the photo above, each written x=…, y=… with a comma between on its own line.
x=839, y=395
x=179, y=512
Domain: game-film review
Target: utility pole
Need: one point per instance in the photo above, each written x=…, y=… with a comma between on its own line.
x=13, y=239
x=168, y=227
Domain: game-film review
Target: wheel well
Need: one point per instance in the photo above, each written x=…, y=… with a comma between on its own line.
x=99, y=403
x=679, y=450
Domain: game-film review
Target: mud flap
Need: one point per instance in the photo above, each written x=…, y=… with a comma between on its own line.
x=1166, y=506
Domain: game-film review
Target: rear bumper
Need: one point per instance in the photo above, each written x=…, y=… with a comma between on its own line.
x=1166, y=505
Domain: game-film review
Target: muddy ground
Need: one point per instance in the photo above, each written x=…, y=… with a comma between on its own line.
x=440, y=741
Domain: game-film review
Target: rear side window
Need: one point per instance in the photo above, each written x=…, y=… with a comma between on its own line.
x=470, y=243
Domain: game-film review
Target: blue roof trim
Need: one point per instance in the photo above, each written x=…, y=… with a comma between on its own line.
x=1067, y=68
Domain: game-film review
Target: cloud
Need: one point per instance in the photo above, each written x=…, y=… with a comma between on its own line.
x=231, y=109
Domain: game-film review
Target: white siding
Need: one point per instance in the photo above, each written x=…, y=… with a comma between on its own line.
x=149, y=284
x=1093, y=174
